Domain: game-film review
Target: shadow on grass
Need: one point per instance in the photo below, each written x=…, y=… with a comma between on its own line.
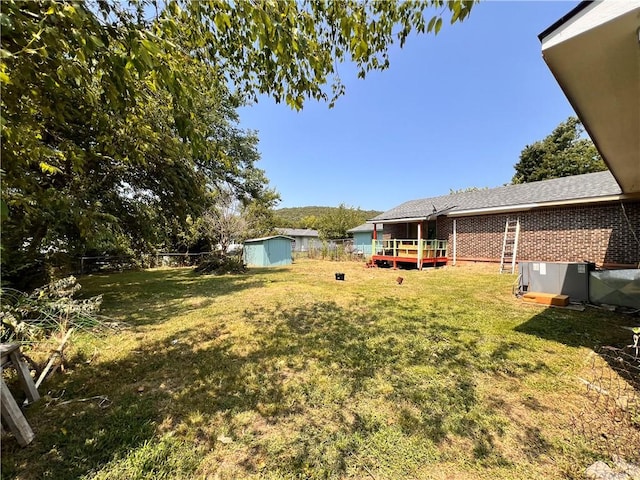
x=325, y=388
x=154, y=296
x=590, y=328
x=593, y=328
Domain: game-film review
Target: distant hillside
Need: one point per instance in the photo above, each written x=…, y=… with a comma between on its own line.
x=307, y=217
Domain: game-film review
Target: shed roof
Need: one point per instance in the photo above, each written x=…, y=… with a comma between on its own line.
x=261, y=239
x=299, y=232
x=516, y=197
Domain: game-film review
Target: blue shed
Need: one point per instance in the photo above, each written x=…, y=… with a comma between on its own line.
x=363, y=237
x=267, y=251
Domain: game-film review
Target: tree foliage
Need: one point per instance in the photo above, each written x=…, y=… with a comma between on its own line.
x=48, y=310
x=117, y=119
x=563, y=153
x=108, y=143
x=336, y=222
x=230, y=220
x=309, y=217
x=290, y=49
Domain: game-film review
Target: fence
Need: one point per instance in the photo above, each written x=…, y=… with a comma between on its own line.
x=334, y=250
x=110, y=263
x=610, y=420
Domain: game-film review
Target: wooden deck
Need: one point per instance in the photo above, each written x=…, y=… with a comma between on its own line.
x=414, y=252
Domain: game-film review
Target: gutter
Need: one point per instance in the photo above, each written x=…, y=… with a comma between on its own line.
x=565, y=18
x=433, y=215
x=401, y=220
x=531, y=206
x=516, y=208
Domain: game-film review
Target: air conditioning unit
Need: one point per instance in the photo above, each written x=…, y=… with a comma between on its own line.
x=560, y=278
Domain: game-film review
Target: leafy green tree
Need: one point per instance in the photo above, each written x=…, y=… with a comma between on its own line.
x=290, y=49
x=336, y=222
x=116, y=117
x=91, y=174
x=231, y=219
x=309, y=217
x=260, y=216
x=310, y=221
x=563, y=153
x=223, y=224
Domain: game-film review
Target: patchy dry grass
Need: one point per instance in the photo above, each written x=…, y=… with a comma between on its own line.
x=287, y=373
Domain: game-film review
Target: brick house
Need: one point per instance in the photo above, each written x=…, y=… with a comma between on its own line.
x=592, y=52
x=570, y=219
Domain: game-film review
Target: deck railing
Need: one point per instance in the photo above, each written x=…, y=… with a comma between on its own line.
x=410, y=248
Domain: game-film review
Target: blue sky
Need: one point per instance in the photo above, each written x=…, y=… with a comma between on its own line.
x=452, y=111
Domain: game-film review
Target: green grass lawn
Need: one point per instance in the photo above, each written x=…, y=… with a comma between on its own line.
x=286, y=373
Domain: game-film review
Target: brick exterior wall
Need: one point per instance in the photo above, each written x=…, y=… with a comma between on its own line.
x=596, y=233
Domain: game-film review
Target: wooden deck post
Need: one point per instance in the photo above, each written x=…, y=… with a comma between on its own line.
x=454, y=240
x=374, y=242
x=419, y=265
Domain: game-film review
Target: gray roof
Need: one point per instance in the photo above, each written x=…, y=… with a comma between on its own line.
x=298, y=232
x=365, y=227
x=589, y=185
x=254, y=240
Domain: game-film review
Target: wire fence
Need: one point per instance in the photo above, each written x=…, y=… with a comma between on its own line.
x=610, y=420
x=110, y=263
x=334, y=250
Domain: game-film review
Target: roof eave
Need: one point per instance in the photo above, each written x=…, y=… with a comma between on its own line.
x=254, y=240
x=533, y=206
x=564, y=19
x=400, y=220
x=593, y=55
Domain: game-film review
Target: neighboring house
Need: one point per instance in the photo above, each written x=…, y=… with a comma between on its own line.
x=362, y=238
x=304, y=239
x=267, y=251
x=570, y=219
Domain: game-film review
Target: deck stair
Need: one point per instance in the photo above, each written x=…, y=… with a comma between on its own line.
x=510, y=245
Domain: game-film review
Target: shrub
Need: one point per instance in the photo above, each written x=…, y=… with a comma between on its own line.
x=46, y=311
x=221, y=264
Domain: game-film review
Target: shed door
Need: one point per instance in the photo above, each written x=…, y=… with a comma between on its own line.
x=252, y=254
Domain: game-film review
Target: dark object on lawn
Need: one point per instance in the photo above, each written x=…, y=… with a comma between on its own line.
x=339, y=276
x=399, y=280
x=219, y=265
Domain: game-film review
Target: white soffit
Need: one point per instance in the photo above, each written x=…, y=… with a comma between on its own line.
x=595, y=57
x=594, y=15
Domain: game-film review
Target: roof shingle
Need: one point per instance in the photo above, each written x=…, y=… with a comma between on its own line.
x=589, y=185
x=298, y=232
x=365, y=227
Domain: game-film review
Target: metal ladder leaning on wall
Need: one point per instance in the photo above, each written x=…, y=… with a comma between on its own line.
x=510, y=245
